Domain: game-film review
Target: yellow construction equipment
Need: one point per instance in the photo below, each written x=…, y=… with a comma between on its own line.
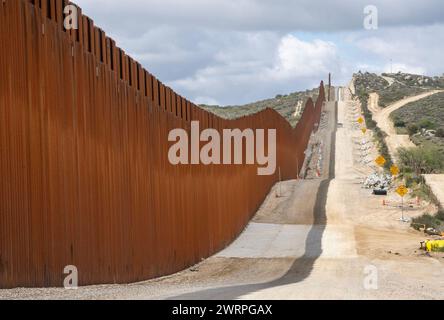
x=434, y=245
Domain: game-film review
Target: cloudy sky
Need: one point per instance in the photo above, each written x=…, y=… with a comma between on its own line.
x=238, y=51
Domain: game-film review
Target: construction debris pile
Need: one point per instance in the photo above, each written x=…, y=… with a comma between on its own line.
x=378, y=181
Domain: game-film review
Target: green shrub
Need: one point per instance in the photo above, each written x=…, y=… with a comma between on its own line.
x=399, y=123
x=421, y=160
x=371, y=124
x=411, y=180
x=426, y=124
x=440, y=215
x=428, y=220
x=412, y=129
x=440, y=133
x=407, y=170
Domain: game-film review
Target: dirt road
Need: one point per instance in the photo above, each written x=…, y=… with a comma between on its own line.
x=382, y=117
x=325, y=238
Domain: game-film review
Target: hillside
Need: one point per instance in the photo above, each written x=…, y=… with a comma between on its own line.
x=395, y=87
x=392, y=87
x=423, y=120
x=286, y=105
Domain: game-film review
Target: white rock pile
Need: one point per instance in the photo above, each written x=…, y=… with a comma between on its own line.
x=378, y=181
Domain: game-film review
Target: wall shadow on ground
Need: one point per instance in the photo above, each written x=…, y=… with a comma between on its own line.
x=302, y=266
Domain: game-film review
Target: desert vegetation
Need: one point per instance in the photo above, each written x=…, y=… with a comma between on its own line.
x=414, y=163
x=401, y=85
x=285, y=104
x=430, y=221
x=378, y=134
x=423, y=120
x=421, y=160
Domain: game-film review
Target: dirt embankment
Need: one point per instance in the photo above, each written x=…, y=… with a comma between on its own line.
x=436, y=183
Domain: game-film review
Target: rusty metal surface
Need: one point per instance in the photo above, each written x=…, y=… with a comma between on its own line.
x=85, y=178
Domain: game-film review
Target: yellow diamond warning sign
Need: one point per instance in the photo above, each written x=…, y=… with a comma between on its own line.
x=394, y=170
x=380, y=161
x=402, y=190
x=361, y=120
x=364, y=130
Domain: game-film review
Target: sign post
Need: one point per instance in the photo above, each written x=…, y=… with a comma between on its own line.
x=363, y=128
x=402, y=191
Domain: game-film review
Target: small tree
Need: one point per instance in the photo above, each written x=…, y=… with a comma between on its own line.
x=399, y=123
x=421, y=160
x=412, y=129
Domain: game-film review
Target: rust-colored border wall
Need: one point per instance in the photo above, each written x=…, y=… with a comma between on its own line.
x=85, y=178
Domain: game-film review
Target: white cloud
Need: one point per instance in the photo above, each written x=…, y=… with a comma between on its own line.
x=206, y=100
x=412, y=49
x=400, y=67
x=303, y=58
x=245, y=74
x=238, y=51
